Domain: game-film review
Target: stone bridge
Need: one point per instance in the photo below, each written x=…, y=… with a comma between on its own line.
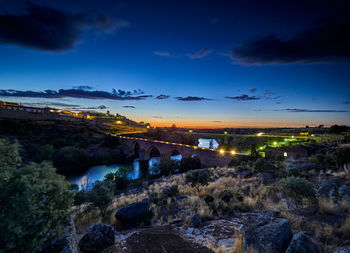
x=144, y=149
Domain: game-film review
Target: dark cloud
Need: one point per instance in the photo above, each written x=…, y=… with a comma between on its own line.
x=72, y=107
x=129, y=106
x=326, y=41
x=243, y=97
x=157, y=117
x=162, y=53
x=252, y=90
x=311, y=110
x=78, y=93
x=83, y=87
x=216, y=121
x=200, y=54
x=49, y=29
x=162, y=96
x=347, y=102
x=190, y=98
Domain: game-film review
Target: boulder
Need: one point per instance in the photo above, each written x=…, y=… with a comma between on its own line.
x=301, y=243
x=98, y=237
x=133, y=213
x=196, y=220
x=344, y=192
x=265, y=233
x=265, y=178
x=327, y=189
x=245, y=173
x=345, y=249
x=65, y=244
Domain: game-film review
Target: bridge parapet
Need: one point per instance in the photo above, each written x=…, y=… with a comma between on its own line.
x=144, y=147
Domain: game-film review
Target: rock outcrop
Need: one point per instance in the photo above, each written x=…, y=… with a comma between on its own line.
x=98, y=237
x=133, y=213
x=301, y=243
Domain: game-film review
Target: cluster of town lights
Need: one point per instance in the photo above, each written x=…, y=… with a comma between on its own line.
x=221, y=151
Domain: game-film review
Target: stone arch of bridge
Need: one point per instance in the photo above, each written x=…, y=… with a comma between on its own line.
x=135, y=149
x=151, y=151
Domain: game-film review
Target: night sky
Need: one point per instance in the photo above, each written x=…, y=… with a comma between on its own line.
x=192, y=63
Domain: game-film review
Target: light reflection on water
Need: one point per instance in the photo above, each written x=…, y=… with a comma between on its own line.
x=98, y=172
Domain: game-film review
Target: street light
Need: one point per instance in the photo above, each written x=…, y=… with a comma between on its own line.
x=221, y=151
x=233, y=152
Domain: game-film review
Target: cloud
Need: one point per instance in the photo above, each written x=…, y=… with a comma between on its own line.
x=347, y=102
x=268, y=92
x=157, y=117
x=162, y=96
x=48, y=29
x=72, y=107
x=326, y=41
x=200, y=54
x=243, y=97
x=129, y=106
x=216, y=121
x=190, y=98
x=162, y=53
x=252, y=90
x=78, y=93
x=83, y=87
x=311, y=110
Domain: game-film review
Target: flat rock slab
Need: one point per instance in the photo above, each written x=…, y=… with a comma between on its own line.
x=154, y=240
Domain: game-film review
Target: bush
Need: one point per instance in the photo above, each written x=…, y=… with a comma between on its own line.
x=226, y=195
x=167, y=166
x=297, y=188
x=198, y=178
x=190, y=163
x=209, y=200
x=101, y=196
x=44, y=153
x=35, y=204
x=341, y=156
x=71, y=160
x=119, y=179
x=262, y=165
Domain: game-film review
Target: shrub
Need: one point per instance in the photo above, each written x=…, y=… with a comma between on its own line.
x=44, y=153
x=35, y=204
x=167, y=166
x=209, y=199
x=190, y=163
x=297, y=188
x=9, y=153
x=198, y=178
x=101, y=196
x=238, y=196
x=70, y=160
x=262, y=165
x=341, y=156
x=226, y=195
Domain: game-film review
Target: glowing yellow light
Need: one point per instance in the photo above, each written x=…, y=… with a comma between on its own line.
x=233, y=152
x=261, y=147
x=274, y=143
x=259, y=134
x=195, y=147
x=190, y=131
x=285, y=154
x=292, y=136
x=221, y=151
x=118, y=122
x=147, y=126
x=225, y=132
x=285, y=139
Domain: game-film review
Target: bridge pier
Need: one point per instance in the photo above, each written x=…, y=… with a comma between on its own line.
x=144, y=165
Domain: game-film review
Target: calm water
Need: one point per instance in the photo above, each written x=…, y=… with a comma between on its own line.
x=98, y=172
x=205, y=143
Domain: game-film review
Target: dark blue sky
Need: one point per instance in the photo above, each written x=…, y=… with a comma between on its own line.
x=247, y=63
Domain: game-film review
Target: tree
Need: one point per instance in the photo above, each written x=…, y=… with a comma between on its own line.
x=335, y=129
x=226, y=195
x=101, y=196
x=167, y=166
x=262, y=165
x=211, y=144
x=254, y=154
x=198, y=178
x=9, y=153
x=190, y=163
x=35, y=203
x=119, y=179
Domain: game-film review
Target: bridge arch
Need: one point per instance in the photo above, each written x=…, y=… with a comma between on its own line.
x=135, y=149
x=152, y=151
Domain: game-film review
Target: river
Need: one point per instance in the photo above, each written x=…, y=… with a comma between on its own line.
x=95, y=173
